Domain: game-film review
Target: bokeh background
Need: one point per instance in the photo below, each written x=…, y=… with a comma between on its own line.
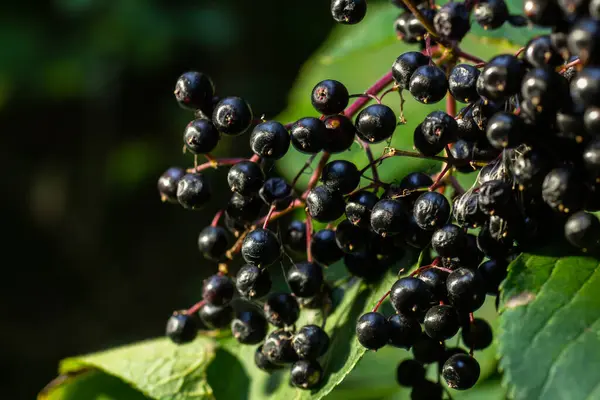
x=92, y=259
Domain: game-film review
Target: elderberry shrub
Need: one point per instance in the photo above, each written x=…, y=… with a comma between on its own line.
x=528, y=135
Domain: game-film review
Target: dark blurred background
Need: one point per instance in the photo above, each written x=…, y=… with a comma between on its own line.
x=88, y=122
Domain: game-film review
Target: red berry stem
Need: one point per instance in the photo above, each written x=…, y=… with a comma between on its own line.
x=309, y=229
x=219, y=162
x=216, y=218
x=268, y=216
x=450, y=105
x=381, y=300
x=438, y=180
x=377, y=87
x=195, y=308
x=569, y=65
x=316, y=174
x=471, y=322
x=299, y=174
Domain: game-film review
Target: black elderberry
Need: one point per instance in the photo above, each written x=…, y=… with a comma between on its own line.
x=325, y=205
x=504, y=130
x=427, y=350
x=412, y=30
x=546, y=89
x=585, y=87
x=278, y=347
x=411, y=296
x=452, y=21
x=529, y=169
x=270, y=140
x=540, y=51
x=467, y=127
x=388, y=217
x=431, y=211
x=281, y=309
x=583, y=40
x=372, y=330
x=249, y=327
x=591, y=157
x=436, y=280
x=491, y=246
x=351, y=238
x=439, y=127
x=276, y=192
x=261, y=248
x=167, y=184
x=410, y=373
x=310, y=342
x=404, y=330
x=375, y=123
x=428, y=84
x=466, y=289
x=582, y=230
x=330, y=97
x=201, y=136
x=574, y=7
x=306, y=374
x=216, y=317
x=466, y=210
x=340, y=134
x=213, y=242
x=409, y=189
x=493, y=273
x=542, y=12
x=365, y=265
x=462, y=82
x=423, y=146
x=294, y=237
x=562, y=190
x=496, y=198
x=262, y=361
x=427, y=390
x=324, y=248
x=194, y=90
x=305, y=279
x=477, y=335
x=448, y=241
x=245, y=178
x=469, y=256
x=501, y=77
x=461, y=371
x=594, y=9
x=414, y=235
x=218, y=290
x=491, y=14
x=193, y=191
x=253, y=282
x=401, y=25
x=308, y=135
x=591, y=119
x=348, y=12
x=405, y=66
x=181, y=328
x=441, y=322
x=341, y=176
x=234, y=226
x=359, y=206
x=232, y=116
x=243, y=209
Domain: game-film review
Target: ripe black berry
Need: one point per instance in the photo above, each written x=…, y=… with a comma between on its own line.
x=276, y=192
x=262, y=361
x=428, y=84
x=409, y=189
x=351, y=238
x=466, y=210
x=270, y=140
x=243, y=209
x=431, y=211
x=546, y=89
x=167, y=184
x=330, y=97
x=365, y=265
x=591, y=120
x=462, y=82
x=405, y=66
x=278, y=347
x=448, y=241
x=218, y=290
x=501, y=77
x=359, y=206
x=253, y=282
x=294, y=236
x=466, y=289
x=261, y=248
x=542, y=12
x=436, y=280
x=249, y=327
x=245, y=178
x=505, y=129
x=540, y=51
x=461, y=371
x=201, y=136
x=340, y=134
x=427, y=350
x=562, y=190
x=585, y=87
x=310, y=342
x=491, y=245
x=375, y=123
x=477, y=335
x=281, y=309
x=325, y=205
x=308, y=135
x=404, y=330
x=583, y=40
x=232, y=116
x=213, y=242
x=529, y=169
x=348, y=12
x=341, y=176
x=439, y=127
x=452, y=21
x=423, y=146
x=411, y=296
x=372, y=330
x=324, y=248
x=194, y=90
x=493, y=273
x=496, y=198
x=193, y=191
x=441, y=322
x=388, y=217
x=582, y=230
x=410, y=373
x=491, y=14
x=216, y=317
x=305, y=279
x=306, y=374
x=181, y=328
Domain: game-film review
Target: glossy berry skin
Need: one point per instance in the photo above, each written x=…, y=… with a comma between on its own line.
x=308, y=135
x=491, y=14
x=375, y=123
x=411, y=296
x=466, y=289
x=351, y=238
x=216, y=317
x=585, y=87
x=591, y=158
x=218, y=290
x=462, y=82
x=348, y=12
x=249, y=327
x=493, y=273
x=562, y=190
x=427, y=350
x=530, y=168
x=496, y=198
x=448, y=241
x=213, y=242
x=340, y=134
x=270, y=140
x=542, y=12
x=330, y=97
x=409, y=373
x=591, y=120
x=405, y=66
x=306, y=374
x=181, y=328
x=324, y=248
x=245, y=178
x=452, y=21
x=305, y=279
x=193, y=191
x=441, y=322
x=431, y=211
x=201, y=136
x=281, y=309
x=253, y=282
x=466, y=210
x=194, y=90
x=232, y=116
x=294, y=236
x=388, y=217
x=439, y=127
x=584, y=39
x=243, y=209
x=278, y=347
x=546, y=88
x=261, y=248
x=404, y=330
x=372, y=330
x=505, y=129
x=477, y=334
x=582, y=230
x=540, y=52
x=365, y=265
x=276, y=192
x=428, y=84
x=422, y=145
x=409, y=189
x=325, y=205
x=501, y=77
x=461, y=371
x=436, y=280
x=491, y=246
x=359, y=206
x=262, y=361
x=340, y=176
x=167, y=184
x=310, y=342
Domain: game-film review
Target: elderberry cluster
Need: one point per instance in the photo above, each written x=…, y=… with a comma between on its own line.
x=529, y=130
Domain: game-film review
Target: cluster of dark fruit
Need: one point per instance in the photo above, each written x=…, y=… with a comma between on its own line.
x=529, y=128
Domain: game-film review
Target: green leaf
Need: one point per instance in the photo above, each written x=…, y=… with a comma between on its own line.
x=157, y=368
x=550, y=331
